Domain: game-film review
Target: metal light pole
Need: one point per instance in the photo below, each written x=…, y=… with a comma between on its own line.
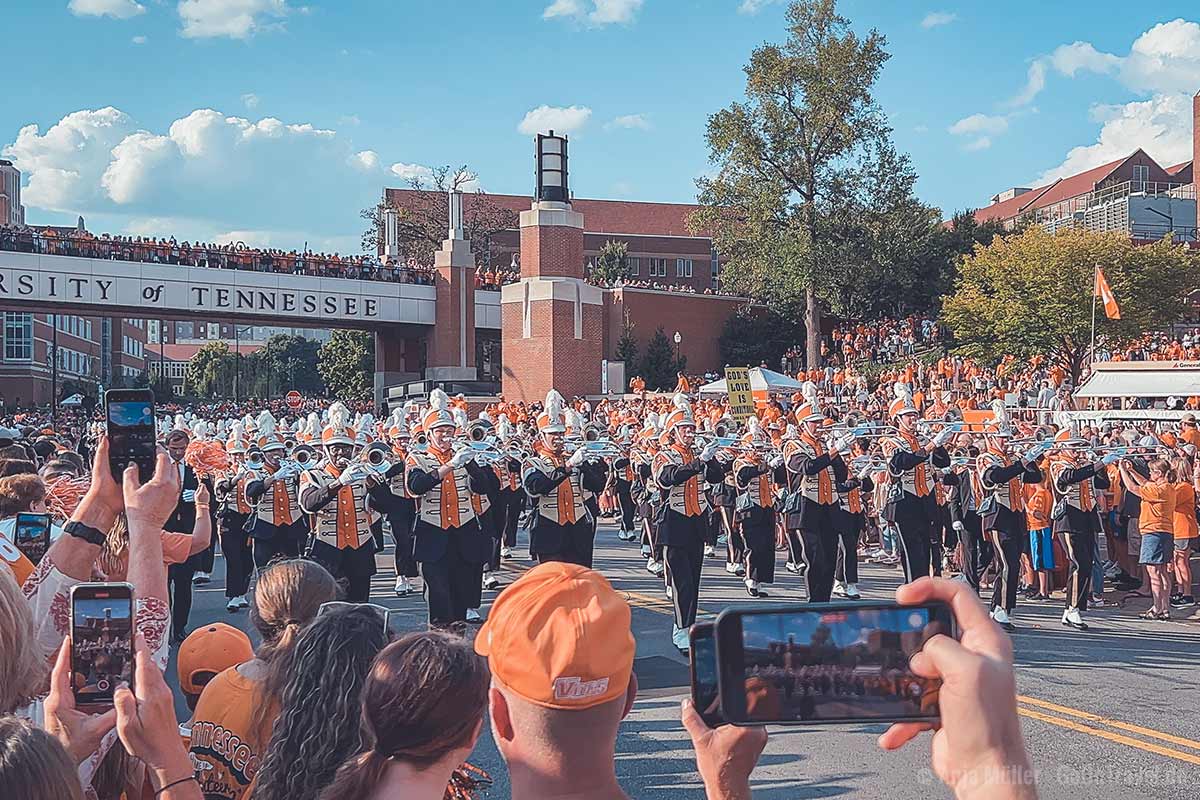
x=54, y=369
x=237, y=359
x=678, y=339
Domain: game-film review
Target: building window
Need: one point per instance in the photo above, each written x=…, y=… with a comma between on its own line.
x=1141, y=176
x=635, y=266
x=18, y=336
x=658, y=268
x=683, y=268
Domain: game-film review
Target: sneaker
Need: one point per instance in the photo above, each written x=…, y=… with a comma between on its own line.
x=877, y=553
x=490, y=582
x=1182, y=600
x=852, y=591
x=709, y=551
x=1175, y=599
x=232, y=605
x=752, y=587
x=1001, y=618
x=201, y=577
x=792, y=567
x=670, y=592
x=403, y=586
x=654, y=567
x=473, y=615
x=741, y=570
x=1072, y=618
x=505, y=552
x=646, y=551
x=1097, y=601
x=839, y=589
x=1111, y=571
x=731, y=568
x=679, y=638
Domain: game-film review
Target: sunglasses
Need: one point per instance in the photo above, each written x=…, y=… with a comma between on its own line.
x=388, y=618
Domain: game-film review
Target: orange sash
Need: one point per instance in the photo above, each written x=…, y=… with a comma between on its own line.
x=824, y=482
x=920, y=476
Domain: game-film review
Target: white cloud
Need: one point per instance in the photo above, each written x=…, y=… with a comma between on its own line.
x=982, y=143
x=349, y=119
x=365, y=160
x=117, y=9
x=1035, y=81
x=236, y=19
x=1071, y=58
x=921, y=129
x=754, y=6
x=557, y=118
x=602, y=12
x=935, y=18
x=250, y=100
x=979, y=123
x=138, y=40
x=638, y=121
x=1165, y=58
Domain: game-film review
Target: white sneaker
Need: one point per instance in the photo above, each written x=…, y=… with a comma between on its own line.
x=654, y=567
x=505, y=552
x=490, y=581
x=646, y=551
x=201, y=577
x=732, y=569
x=670, y=592
x=679, y=638
x=709, y=550
x=232, y=605
x=1001, y=617
x=791, y=566
x=852, y=591
x=839, y=589
x=751, y=587
x=403, y=587
x=1073, y=618
x=473, y=615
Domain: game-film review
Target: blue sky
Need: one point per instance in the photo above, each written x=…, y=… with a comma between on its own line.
x=275, y=121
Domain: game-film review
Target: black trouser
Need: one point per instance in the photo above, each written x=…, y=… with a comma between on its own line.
x=759, y=553
x=517, y=504
x=626, y=504
x=1081, y=550
x=283, y=542
x=976, y=555
x=820, y=553
x=1007, y=549
x=401, y=523
x=239, y=560
x=735, y=543
x=684, y=563
x=846, y=570
x=914, y=547
x=935, y=544
x=506, y=506
x=352, y=567
x=450, y=585
x=577, y=547
x=179, y=585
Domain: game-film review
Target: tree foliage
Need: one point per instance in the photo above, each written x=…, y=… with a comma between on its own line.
x=210, y=372
x=612, y=264
x=346, y=364
x=424, y=222
x=627, y=346
x=751, y=337
x=659, y=366
x=1031, y=294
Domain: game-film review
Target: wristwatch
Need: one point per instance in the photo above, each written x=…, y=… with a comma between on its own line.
x=85, y=532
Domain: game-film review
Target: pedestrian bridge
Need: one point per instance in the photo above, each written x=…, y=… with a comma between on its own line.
x=141, y=290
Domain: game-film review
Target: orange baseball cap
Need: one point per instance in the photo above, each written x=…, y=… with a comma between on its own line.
x=213, y=648
x=560, y=638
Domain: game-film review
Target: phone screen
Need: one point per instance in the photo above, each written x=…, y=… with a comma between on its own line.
x=101, y=640
x=32, y=535
x=834, y=663
x=131, y=437
x=703, y=661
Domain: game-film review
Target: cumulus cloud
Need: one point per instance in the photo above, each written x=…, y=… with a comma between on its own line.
x=596, y=13
x=235, y=19
x=1069, y=59
x=557, y=118
x=979, y=123
x=1035, y=81
x=207, y=172
x=250, y=100
x=754, y=6
x=138, y=40
x=117, y=9
x=638, y=121
x=936, y=18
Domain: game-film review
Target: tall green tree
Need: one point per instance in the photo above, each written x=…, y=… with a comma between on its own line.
x=804, y=137
x=347, y=365
x=290, y=362
x=659, y=366
x=612, y=264
x=1031, y=294
x=209, y=373
x=752, y=337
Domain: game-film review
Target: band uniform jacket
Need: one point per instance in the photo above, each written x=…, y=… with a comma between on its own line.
x=910, y=498
x=1076, y=488
x=229, y=492
x=961, y=497
x=851, y=513
x=448, y=509
x=677, y=471
x=342, y=515
x=1002, y=480
x=813, y=475
x=755, y=482
x=558, y=496
x=277, y=505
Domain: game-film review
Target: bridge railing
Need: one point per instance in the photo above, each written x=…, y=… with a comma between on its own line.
x=240, y=257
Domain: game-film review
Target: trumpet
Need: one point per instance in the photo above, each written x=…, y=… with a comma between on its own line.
x=305, y=456
x=723, y=442
x=596, y=448
x=486, y=452
x=255, y=459
x=376, y=457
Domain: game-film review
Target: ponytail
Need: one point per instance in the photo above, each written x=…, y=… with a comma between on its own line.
x=358, y=777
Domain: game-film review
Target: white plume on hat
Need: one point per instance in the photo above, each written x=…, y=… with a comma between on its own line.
x=753, y=426
x=554, y=404
x=438, y=400
x=365, y=425
x=652, y=422
x=902, y=392
x=680, y=402
x=180, y=423
x=809, y=392
x=503, y=427
x=265, y=423
x=236, y=431
x=410, y=409
x=201, y=429
x=339, y=415
x=575, y=420
x=461, y=420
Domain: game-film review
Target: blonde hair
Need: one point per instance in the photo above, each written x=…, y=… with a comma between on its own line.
x=33, y=765
x=22, y=668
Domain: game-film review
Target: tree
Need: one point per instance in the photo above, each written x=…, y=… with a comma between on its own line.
x=612, y=265
x=290, y=362
x=659, y=366
x=423, y=223
x=801, y=142
x=751, y=338
x=209, y=372
x=1030, y=294
x=346, y=364
x=627, y=346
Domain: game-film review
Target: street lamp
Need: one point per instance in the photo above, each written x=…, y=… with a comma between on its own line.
x=678, y=339
x=552, y=168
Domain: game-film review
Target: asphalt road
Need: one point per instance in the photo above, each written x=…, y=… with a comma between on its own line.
x=1107, y=713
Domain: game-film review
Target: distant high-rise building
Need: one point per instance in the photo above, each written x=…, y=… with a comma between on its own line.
x=11, y=210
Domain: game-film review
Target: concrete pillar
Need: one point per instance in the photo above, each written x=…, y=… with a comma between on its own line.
x=1196, y=152
x=451, y=354
x=389, y=364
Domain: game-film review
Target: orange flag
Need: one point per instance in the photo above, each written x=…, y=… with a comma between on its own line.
x=1111, y=309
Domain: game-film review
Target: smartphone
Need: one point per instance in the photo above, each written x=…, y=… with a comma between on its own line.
x=101, y=641
x=702, y=658
x=31, y=534
x=131, y=436
x=827, y=662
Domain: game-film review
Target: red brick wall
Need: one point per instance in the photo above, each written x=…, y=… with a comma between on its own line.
x=551, y=250
x=444, y=340
x=552, y=358
x=698, y=318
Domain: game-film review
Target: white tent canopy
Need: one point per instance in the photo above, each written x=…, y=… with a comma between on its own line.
x=1143, y=379
x=761, y=380
x=73, y=400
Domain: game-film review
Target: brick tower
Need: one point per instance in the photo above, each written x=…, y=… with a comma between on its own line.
x=552, y=321
x=451, y=354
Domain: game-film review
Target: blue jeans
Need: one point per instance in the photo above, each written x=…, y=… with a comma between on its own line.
x=887, y=535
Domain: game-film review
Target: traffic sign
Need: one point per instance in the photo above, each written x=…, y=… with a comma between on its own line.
x=293, y=399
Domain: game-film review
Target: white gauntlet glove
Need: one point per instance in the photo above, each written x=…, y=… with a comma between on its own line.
x=708, y=452
x=462, y=457
x=957, y=525
x=577, y=457
x=776, y=462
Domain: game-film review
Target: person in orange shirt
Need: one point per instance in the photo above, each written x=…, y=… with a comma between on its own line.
x=1041, y=547
x=681, y=385
x=204, y=654
x=1188, y=431
x=1156, y=524
x=1185, y=531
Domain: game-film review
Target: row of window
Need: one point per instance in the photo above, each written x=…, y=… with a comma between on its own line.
x=657, y=267
x=74, y=362
x=133, y=347
x=75, y=326
x=174, y=369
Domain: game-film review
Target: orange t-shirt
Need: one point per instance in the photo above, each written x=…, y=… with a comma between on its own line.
x=15, y=560
x=1158, y=507
x=225, y=749
x=1185, y=512
x=1037, y=506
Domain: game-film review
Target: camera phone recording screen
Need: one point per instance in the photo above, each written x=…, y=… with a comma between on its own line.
x=101, y=651
x=704, y=658
x=33, y=535
x=131, y=426
x=837, y=665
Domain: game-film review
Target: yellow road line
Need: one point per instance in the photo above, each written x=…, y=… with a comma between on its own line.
x=1112, y=723
x=1149, y=747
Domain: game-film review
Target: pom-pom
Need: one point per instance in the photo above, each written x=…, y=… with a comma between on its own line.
x=206, y=458
x=63, y=495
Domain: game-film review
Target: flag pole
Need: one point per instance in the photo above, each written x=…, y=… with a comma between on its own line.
x=1095, y=281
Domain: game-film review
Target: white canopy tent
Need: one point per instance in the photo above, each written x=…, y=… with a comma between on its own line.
x=1142, y=379
x=761, y=380
x=73, y=400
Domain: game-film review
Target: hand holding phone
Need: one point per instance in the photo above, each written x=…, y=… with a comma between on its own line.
x=129, y=414
x=31, y=535
x=101, y=642
x=702, y=662
x=79, y=733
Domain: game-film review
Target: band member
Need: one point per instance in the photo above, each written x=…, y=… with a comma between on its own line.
x=910, y=502
x=182, y=520
x=755, y=514
x=400, y=508
x=813, y=475
x=848, y=520
x=343, y=497
x=233, y=516
x=1003, y=514
x=962, y=500
x=563, y=527
x=724, y=501
x=677, y=470
x=1077, y=484
x=511, y=498
x=450, y=546
x=278, y=526
x=622, y=483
